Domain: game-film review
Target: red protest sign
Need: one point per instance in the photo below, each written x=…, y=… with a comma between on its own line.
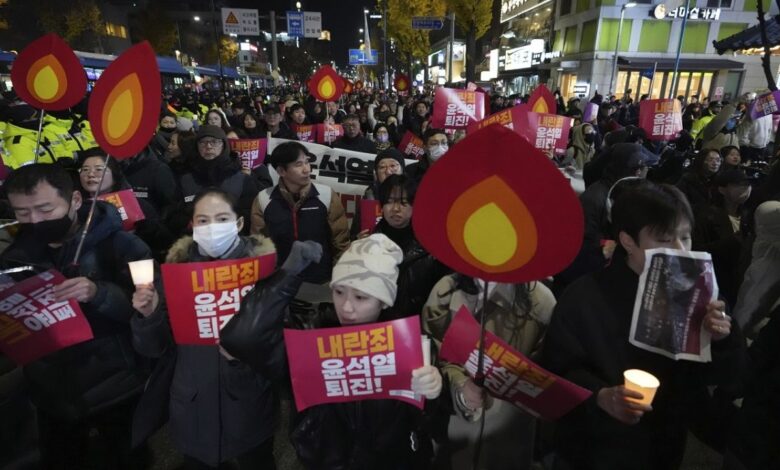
x=306, y=133
x=543, y=131
x=370, y=213
x=412, y=145
x=328, y=133
x=509, y=375
x=456, y=109
x=33, y=325
x=203, y=297
x=127, y=205
x=251, y=152
x=352, y=363
x=660, y=119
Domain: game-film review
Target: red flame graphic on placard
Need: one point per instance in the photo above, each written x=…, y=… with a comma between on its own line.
x=326, y=84
x=359, y=85
x=402, y=82
x=125, y=104
x=48, y=75
x=494, y=222
x=542, y=101
x=348, y=86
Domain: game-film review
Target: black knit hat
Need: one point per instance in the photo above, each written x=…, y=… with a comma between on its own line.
x=390, y=152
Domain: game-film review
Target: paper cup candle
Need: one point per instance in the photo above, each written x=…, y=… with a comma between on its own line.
x=142, y=272
x=642, y=382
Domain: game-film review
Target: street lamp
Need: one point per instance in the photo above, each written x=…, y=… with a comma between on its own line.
x=298, y=5
x=360, y=30
x=613, y=76
x=196, y=18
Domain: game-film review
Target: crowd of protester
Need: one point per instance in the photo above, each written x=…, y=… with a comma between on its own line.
x=715, y=188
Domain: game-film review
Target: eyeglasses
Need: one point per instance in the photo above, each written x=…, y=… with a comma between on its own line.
x=388, y=166
x=402, y=201
x=210, y=142
x=98, y=170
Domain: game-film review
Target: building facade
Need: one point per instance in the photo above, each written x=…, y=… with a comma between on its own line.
x=586, y=36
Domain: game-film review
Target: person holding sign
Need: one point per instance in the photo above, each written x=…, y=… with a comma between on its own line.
x=220, y=409
x=94, y=384
x=588, y=343
x=388, y=162
x=518, y=314
x=370, y=434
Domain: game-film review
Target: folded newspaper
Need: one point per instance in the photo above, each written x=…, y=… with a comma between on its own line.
x=671, y=302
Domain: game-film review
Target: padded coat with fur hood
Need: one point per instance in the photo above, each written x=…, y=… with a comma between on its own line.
x=219, y=408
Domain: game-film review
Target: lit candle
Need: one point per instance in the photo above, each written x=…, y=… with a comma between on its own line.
x=642, y=382
x=142, y=272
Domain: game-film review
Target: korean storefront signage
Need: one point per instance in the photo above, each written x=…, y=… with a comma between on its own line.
x=662, y=11
x=513, y=8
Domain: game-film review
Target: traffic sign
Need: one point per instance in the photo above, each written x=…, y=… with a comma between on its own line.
x=295, y=24
x=240, y=21
x=361, y=57
x=427, y=22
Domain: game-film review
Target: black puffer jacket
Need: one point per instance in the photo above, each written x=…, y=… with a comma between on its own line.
x=371, y=434
x=92, y=376
x=219, y=408
x=417, y=273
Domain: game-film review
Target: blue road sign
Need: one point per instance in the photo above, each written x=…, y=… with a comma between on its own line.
x=427, y=22
x=295, y=24
x=361, y=57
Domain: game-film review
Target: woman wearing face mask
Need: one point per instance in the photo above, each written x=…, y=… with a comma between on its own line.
x=436, y=145
x=220, y=409
x=581, y=150
x=163, y=135
x=587, y=343
x=382, y=137
x=371, y=434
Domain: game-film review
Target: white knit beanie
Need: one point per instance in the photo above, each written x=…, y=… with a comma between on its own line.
x=370, y=265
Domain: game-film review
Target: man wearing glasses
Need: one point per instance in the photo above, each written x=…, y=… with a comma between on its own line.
x=352, y=138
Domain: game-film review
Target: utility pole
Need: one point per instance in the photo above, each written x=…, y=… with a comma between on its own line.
x=214, y=18
x=274, y=53
x=451, y=48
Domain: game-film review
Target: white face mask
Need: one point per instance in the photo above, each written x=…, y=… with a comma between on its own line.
x=215, y=239
x=436, y=152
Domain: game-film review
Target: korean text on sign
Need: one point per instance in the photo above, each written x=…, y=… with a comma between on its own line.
x=33, y=324
x=549, y=131
x=660, y=119
x=203, y=297
x=508, y=374
x=353, y=363
x=127, y=205
x=456, y=109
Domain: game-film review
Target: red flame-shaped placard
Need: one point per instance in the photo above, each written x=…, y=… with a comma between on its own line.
x=359, y=85
x=402, y=82
x=125, y=104
x=495, y=221
x=542, y=101
x=348, y=86
x=326, y=84
x=48, y=75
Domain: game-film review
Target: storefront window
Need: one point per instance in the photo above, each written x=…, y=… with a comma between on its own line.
x=688, y=84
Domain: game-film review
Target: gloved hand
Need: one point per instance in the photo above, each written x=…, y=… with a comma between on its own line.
x=426, y=381
x=301, y=255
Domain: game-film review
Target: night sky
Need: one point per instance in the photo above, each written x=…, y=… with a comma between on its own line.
x=342, y=18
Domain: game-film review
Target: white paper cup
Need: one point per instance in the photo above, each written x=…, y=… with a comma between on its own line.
x=642, y=382
x=142, y=272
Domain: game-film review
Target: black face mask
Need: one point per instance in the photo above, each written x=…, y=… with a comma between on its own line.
x=589, y=138
x=49, y=231
x=167, y=130
x=384, y=115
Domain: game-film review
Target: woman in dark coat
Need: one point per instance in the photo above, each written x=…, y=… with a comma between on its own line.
x=220, y=409
x=371, y=434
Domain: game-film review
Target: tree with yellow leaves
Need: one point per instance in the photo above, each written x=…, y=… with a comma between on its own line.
x=412, y=44
x=474, y=18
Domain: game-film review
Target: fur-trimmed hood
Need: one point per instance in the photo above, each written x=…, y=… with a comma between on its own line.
x=180, y=251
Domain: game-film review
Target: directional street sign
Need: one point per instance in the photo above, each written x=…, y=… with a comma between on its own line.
x=361, y=57
x=295, y=24
x=427, y=22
